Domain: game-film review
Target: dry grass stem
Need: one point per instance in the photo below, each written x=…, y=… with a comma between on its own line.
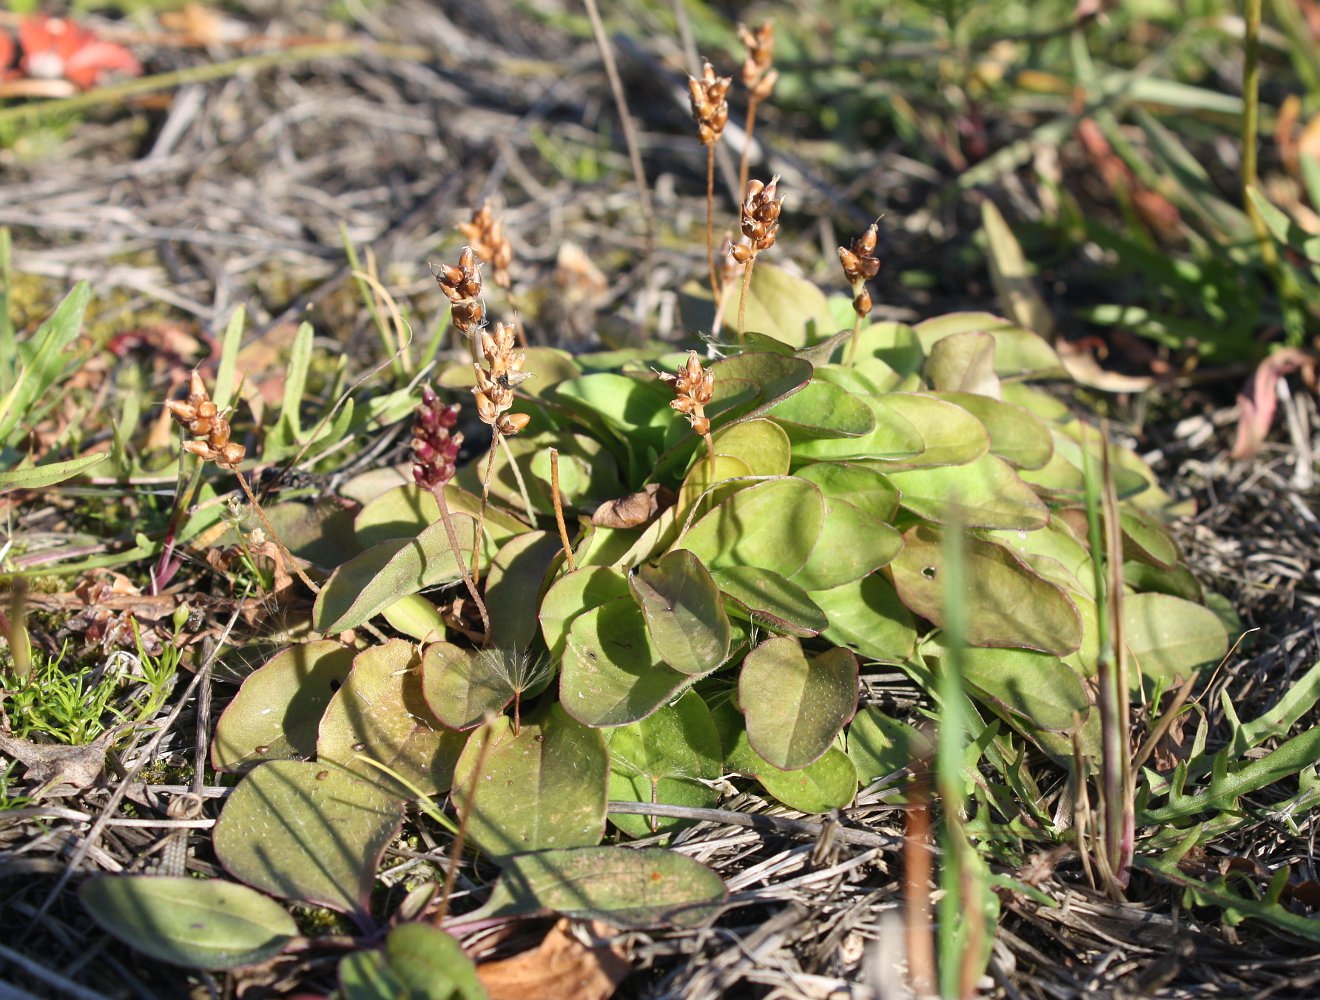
x=557, y=500
x=710, y=110
x=759, y=79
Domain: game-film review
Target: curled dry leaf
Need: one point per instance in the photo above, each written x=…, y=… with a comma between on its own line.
x=575, y=961
x=51, y=765
x=636, y=509
x=1259, y=398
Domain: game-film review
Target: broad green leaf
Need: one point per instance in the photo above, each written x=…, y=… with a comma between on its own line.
x=794, y=707
x=684, y=613
x=540, y=788
x=381, y=714
x=1178, y=581
x=308, y=831
x=1006, y=604
x=513, y=586
x=636, y=409
x=407, y=511
x=1049, y=408
x=748, y=384
x=1145, y=539
x=369, y=583
x=772, y=525
x=894, y=439
x=852, y=544
x=612, y=673
x=1171, y=637
x=895, y=344
x=790, y=309
x=462, y=685
x=965, y=363
x=864, y=488
x=44, y=359
x=984, y=493
x=824, y=410
x=277, y=711
x=416, y=617
x=670, y=757
x=1054, y=541
x=196, y=923
x=1018, y=352
x=417, y=962
x=550, y=364
x=880, y=746
x=760, y=444
x=767, y=599
x=866, y=615
x=647, y=887
x=1026, y=686
x=1017, y=436
x=1012, y=276
x=828, y=783
x=574, y=594
x=36, y=477
x=950, y=435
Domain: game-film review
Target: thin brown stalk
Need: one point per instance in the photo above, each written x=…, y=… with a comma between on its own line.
x=464, y=816
x=481, y=511
x=629, y=133
x=468, y=580
x=273, y=535
x=710, y=222
x=856, y=335
x=742, y=299
x=559, y=509
x=744, y=164
x=917, y=874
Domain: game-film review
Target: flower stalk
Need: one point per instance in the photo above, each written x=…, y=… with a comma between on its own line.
x=859, y=266
x=710, y=110
x=760, y=226
x=759, y=79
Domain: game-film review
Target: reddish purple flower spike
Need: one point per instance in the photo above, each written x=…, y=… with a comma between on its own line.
x=435, y=449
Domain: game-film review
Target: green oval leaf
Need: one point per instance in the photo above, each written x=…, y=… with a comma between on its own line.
x=406, y=511
x=513, y=586
x=462, y=685
x=1017, y=436
x=36, y=477
x=418, y=961
x=964, y=363
x=788, y=308
x=308, y=831
x=416, y=617
x=612, y=674
x=794, y=706
x=573, y=595
x=369, y=583
x=748, y=384
x=1171, y=637
x=769, y=600
x=1018, y=352
x=670, y=756
x=852, y=544
x=864, y=488
x=867, y=615
x=276, y=712
x=950, y=435
x=880, y=746
x=381, y=714
x=895, y=344
x=824, y=410
x=647, y=887
x=204, y=924
x=772, y=525
x=1005, y=603
x=684, y=613
x=984, y=493
x=542, y=787
x=895, y=438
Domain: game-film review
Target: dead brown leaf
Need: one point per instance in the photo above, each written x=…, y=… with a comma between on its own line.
x=51, y=765
x=636, y=509
x=561, y=967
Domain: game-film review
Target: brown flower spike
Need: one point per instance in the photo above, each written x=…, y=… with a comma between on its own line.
x=860, y=266
x=760, y=219
x=486, y=234
x=693, y=387
x=710, y=109
x=757, y=76
x=496, y=382
x=208, y=426
x=462, y=287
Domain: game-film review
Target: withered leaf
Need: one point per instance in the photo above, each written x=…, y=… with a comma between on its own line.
x=636, y=509
x=50, y=765
x=561, y=967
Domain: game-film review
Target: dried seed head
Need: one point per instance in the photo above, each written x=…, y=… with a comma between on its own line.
x=760, y=219
x=462, y=287
x=859, y=266
x=757, y=76
x=486, y=234
x=494, y=391
x=208, y=426
x=710, y=109
x=693, y=387
x=434, y=445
